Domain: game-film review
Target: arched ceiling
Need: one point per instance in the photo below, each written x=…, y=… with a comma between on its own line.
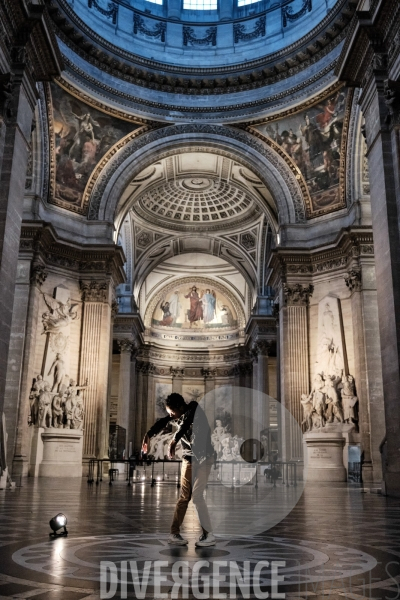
x=195, y=202
x=197, y=191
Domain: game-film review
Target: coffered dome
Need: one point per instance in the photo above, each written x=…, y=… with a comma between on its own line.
x=195, y=199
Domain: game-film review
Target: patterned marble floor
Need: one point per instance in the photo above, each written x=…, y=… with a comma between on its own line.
x=336, y=543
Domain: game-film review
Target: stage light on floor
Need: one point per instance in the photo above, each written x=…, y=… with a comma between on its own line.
x=58, y=522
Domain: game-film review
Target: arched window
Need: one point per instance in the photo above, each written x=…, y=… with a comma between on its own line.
x=245, y=2
x=200, y=4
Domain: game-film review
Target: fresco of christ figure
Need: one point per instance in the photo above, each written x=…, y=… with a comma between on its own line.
x=195, y=312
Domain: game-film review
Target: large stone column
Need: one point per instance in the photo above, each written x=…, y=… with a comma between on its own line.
x=368, y=371
x=370, y=60
x=94, y=364
x=18, y=95
x=294, y=354
x=26, y=332
x=261, y=385
x=124, y=389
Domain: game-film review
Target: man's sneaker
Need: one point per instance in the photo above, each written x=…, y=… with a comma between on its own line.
x=206, y=539
x=177, y=540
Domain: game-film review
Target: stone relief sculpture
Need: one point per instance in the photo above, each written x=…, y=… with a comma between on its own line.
x=60, y=409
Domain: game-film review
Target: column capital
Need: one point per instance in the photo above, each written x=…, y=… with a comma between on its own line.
x=38, y=275
x=353, y=279
x=177, y=372
x=208, y=373
x=297, y=294
x=126, y=346
x=261, y=348
x=94, y=290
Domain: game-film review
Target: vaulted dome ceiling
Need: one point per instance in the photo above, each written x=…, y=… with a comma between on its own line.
x=224, y=63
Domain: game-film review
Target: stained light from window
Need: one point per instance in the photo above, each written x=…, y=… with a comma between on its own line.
x=245, y=2
x=155, y=1
x=200, y=4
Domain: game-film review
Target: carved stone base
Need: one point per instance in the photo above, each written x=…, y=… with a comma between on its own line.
x=62, y=453
x=324, y=456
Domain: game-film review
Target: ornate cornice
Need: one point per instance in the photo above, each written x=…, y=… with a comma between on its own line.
x=40, y=239
x=290, y=264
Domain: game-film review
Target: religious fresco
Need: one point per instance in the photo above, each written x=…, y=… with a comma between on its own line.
x=82, y=136
x=313, y=138
x=194, y=307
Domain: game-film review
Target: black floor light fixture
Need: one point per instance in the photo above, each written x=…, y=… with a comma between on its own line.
x=58, y=522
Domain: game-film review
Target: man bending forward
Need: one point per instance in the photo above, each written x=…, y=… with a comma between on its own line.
x=197, y=459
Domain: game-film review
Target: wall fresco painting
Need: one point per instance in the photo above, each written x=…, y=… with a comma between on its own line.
x=194, y=307
x=313, y=139
x=82, y=136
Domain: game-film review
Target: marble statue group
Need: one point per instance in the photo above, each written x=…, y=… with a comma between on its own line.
x=332, y=400
x=57, y=406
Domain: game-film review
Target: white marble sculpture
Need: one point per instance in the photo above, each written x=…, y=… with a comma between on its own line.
x=332, y=400
x=61, y=315
x=62, y=408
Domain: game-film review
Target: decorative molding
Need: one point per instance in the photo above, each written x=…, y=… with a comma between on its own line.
x=209, y=39
x=241, y=35
x=353, y=280
x=111, y=12
x=204, y=110
x=289, y=15
x=94, y=290
x=297, y=294
x=157, y=32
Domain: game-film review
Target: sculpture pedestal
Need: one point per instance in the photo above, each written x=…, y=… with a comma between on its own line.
x=62, y=453
x=324, y=457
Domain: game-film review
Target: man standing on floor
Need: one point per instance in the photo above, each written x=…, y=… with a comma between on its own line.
x=197, y=459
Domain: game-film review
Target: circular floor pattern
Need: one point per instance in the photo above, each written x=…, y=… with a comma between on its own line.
x=306, y=561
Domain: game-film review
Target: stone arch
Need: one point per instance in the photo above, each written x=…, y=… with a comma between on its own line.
x=162, y=250
x=255, y=154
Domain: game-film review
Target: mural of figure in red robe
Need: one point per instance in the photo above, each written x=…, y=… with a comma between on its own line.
x=195, y=313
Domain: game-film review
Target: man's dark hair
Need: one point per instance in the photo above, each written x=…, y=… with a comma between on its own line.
x=175, y=400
